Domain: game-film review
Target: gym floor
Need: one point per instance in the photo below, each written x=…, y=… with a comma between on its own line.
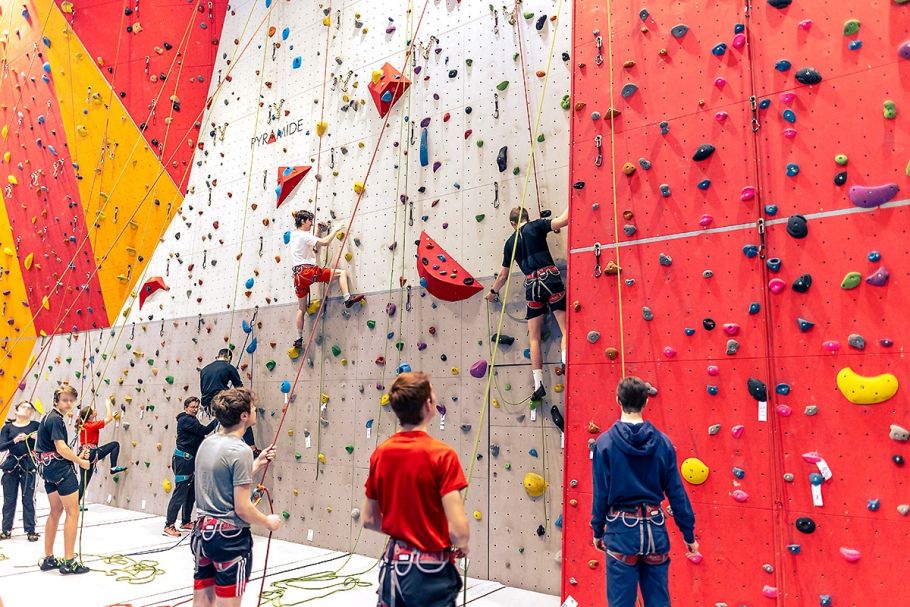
x=312, y=575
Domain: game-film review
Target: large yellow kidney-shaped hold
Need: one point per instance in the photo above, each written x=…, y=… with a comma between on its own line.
x=694, y=471
x=534, y=484
x=863, y=390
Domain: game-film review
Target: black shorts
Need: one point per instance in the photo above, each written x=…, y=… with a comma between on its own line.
x=224, y=559
x=546, y=293
x=429, y=586
x=60, y=477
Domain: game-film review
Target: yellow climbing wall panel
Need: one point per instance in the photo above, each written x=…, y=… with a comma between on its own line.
x=128, y=195
x=18, y=318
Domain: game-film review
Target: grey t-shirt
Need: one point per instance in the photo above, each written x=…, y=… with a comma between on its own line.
x=222, y=463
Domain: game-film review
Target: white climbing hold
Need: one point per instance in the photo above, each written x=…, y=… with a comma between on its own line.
x=899, y=433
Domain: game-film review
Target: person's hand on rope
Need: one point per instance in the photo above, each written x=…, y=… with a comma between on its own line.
x=460, y=552
x=492, y=296
x=599, y=544
x=20, y=437
x=267, y=455
x=273, y=522
x=84, y=463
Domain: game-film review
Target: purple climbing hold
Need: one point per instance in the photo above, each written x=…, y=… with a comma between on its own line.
x=479, y=369
x=904, y=50
x=869, y=197
x=879, y=278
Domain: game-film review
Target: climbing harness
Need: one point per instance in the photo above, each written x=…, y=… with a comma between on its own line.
x=644, y=517
x=399, y=558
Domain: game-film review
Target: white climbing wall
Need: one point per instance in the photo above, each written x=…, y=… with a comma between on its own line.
x=229, y=231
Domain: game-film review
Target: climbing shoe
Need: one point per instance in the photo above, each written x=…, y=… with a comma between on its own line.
x=352, y=300
x=5, y=535
x=171, y=531
x=539, y=393
x=49, y=562
x=298, y=343
x=72, y=566
x=187, y=527
x=33, y=537
x=118, y=469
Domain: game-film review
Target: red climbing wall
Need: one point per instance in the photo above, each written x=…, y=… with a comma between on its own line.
x=683, y=256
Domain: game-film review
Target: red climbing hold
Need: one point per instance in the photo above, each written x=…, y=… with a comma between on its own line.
x=156, y=283
x=388, y=89
x=288, y=179
x=441, y=275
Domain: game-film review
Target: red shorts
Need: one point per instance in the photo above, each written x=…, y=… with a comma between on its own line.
x=306, y=275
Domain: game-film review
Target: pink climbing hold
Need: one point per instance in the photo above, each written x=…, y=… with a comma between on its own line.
x=721, y=116
x=812, y=457
x=737, y=431
x=831, y=345
x=739, y=41
x=739, y=495
x=695, y=558
x=879, y=278
x=787, y=97
x=731, y=328
x=705, y=220
x=669, y=352
x=789, y=133
x=479, y=369
x=747, y=193
x=713, y=370
x=784, y=410
x=720, y=82
x=769, y=592
x=805, y=24
x=776, y=285
x=850, y=555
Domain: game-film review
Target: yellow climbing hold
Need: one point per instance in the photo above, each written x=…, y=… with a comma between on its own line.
x=358, y=187
x=321, y=127
x=376, y=76
x=558, y=388
x=38, y=406
x=5, y=131
x=9, y=251
x=12, y=179
x=66, y=7
x=348, y=256
x=455, y=371
x=327, y=21
x=862, y=390
x=314, y=306
x=29, y=260
x=694, y=471
x=45, y=303
x=384, y=400
x=324, y=398
x=535, y=485
x=81, y=130
x=477, y=515
x=7, y=156
x=340, y=235
x=166, y=485
x=322, y=458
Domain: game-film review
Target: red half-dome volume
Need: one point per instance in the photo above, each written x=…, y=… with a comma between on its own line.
x=441, y=275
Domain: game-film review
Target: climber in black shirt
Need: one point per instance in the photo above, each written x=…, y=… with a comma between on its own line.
x=18, y=437
x=217, y=376
x=544, y=289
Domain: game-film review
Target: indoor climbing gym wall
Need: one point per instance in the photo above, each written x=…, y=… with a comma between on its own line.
x=739, y=240
x=416, y=126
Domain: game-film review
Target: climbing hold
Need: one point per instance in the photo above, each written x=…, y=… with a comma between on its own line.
x=669, y=352
x=665, y=190
x=285, y=387
x=808, y=75
x=166, y=485
x=665, y=260
x=708, y=324
x=502, y=158
x=874, y=256
x=149, y=287
x=804, y=325
x=678, y=31
x=873, y=504
x=841, y=159
x=703, y=152
x=738, y=473
x=899, y=433
x=731, y=328
x=840, y=178
x=593, y=336
x=779, y=4
x=750, y=251
x=856, y=341
x=789, y=116
x=739, y=495
x=898, y=460
x=774, y=264
x=802, y=284
x=628, y=169
x=851, y=280
x=792, y=169
x=862, y=390
x=646, y=313
x=628, y=90
x=534, y=484
x=719, y=49
x=694, y=471
x=797, y=226
x=386, y=87
x=289, y=177
x=776, y=285
x=903, y=509
x=758, y=389
x=851, y=27
x=479, y=369
x=903, y=51
x=869, y=197
x=713, y=429
x=879, y=278
x=445, y=278
x=754, y=308
x=804, y=524
x=810, y=410
x=558, y=419
x=270, y=365
x=889, y=109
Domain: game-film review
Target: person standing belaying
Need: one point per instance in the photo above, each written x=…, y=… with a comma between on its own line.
x=55, y=462
x=190, y=434
x=220, y=375
x=634, y=468
x=221, y=540
x=89, y=430
x=544, y=288
x=18, y=438
x=304, y=249
x=413, y=495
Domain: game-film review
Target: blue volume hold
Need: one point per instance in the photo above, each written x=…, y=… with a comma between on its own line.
x=424, y=152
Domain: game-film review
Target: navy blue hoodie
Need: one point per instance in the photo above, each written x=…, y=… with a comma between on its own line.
x=635, y=464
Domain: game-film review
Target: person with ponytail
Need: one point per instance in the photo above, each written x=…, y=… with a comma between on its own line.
x=89, y=429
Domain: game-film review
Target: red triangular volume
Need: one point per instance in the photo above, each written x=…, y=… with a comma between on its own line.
x=288, y=179
x=389, y=89
x=153, y=284
x=441, y=275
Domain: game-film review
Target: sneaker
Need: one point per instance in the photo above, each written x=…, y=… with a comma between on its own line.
x=539, y=393
x=33, y=537
x=118, y=469
x=5, y=535
x=82, y=507
x=298, y=343
x=49, y=562
x=187, y=527
x=352, y=300
x=171, y=531
x=72, y=566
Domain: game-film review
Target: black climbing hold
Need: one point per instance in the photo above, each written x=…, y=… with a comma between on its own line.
x=504, y=340
x=127, y=11
x=546, y=213
x=643, y=14
x=468, y=281
x=453, y=73
x=558, y=420
x=541, y=531
x=708, y=324
x=443, y=358
x=897, y=459
x=779, y=4
x=565, y=56
x=804, y=524
x=579, y=185
x=802, y=284
x=502, y=158
x=840, y=178
x=757, y=389
x=797, y=226
x=468, y=109
x=808, y=75
x=167, y=46
x=703, y=152
x=541, y=21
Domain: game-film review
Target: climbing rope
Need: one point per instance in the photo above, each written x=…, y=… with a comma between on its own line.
x=524, y=84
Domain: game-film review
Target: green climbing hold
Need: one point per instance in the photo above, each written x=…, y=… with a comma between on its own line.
x=469, y=62
x=349, y=449
x=336, y=350
x=851, y=26
x=169, y=379
x=270, y=365
x=117, y=480
x=508, y=466
x=78, y=374
x=147, y=464
x=298, y=455
x=515, y=57
x=889, y=109
x=399, y=345
x=841, y=159
x=502, y=85
x=129, y=346
x=541, y=138
x=480, y=143
x=286, y=515
x=104, y=357
x=521, y=551
x=69, y=359
x=150, y=361
x=371, y=324
x=566, y=102
x=480, y=217
x=528, y=15
x=908, y=164
x=851, y=280
x=516, y=171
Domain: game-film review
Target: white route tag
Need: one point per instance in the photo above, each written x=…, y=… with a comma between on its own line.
x=762, y=411
x=817, y=496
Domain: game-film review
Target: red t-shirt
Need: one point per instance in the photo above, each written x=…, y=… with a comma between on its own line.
x=89, y=435
x=409, y=474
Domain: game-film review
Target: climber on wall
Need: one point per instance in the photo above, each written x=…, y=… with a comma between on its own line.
x=634, y=468
x=304, y=250
x=221, y=540
x=190, y=434
x=413, y=496
x=544, y=289
x=55, y=463
x=18, y=438
x=89, y=436
x=220, y=375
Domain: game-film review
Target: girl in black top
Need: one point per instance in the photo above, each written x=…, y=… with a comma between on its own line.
x=18, y=438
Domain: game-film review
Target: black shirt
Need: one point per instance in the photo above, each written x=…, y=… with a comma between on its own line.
x=532, y=252
x=190, y=433
x=52, y=428
x=18, y=452
x=214, y=378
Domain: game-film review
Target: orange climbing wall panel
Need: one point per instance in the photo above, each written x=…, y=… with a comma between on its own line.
x=683, y=257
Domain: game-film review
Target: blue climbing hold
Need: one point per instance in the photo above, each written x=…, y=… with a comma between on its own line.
x=719, y=49
x=423, y=283
x=285, y=33
x=739, y=472
x=824, y=600
x=46, y=41
x=369, y=423
x=252, y=346
x=754, y=308
x=249, y=283
x=873, y=504
x=390, y=335
x=739, y=28
x=665, y=190
x=783, y=65
x=247, y=327
x=558, y=522
x=774, y=264
x=750, y=250
x=287, y=237
x=527, y=353
x=704, y=184
x=874, y=256
x=790, y=116
x=645, y=164
x=764, y=104
x=403, y=368
x=296, y=62
x=771, y=209
x=268, y=3
x=533, y=452
x=782, y=389
x=713, y=390
x=689, y=331
x=285, y=387
x=424, y=150
x=855, y=45
x=386, y=97
x=816, y=479
x=792, y=169
x=794, y=548
x=804, y=325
